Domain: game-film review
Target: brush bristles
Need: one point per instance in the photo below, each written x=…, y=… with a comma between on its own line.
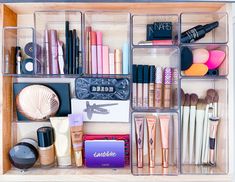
x=182, y=96
x=216, y=97
x=211, y=92
x=208, y=99
x=193, y=99
x=201, y=105
x=187, y=100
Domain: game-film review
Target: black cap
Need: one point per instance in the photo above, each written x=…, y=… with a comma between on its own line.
x=134, y=73
x=18, y=51
x=152, y=73
x=45, y=136
x=211, y=26
x=146, y=74
x=140, y=73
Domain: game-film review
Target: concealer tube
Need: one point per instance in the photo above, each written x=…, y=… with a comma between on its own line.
x=151, y=124
x=167, y=87
x=140, y=86
x=151, y=90
x=158, y=88
x=164, y=128
x=118, y=61
x=134, y=85
x=214, y=121
x=139, y=131
x=145, y=86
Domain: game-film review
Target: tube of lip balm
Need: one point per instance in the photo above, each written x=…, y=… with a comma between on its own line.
x=139, y=131
x=167, y=87
x=164, y=127
x=118, y=61
x=99, y=53
x=214, y=121
x=93, y=53
x=76, y=130
x=158, y=88
x=151, y=124
x=125, y=60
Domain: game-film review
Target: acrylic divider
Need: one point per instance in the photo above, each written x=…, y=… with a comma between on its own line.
x=215, y=35
x=159, y=57
x=161, y=29
x=111, y=30
x=57, y=57
x=213, y=60
x=18, y=51
x=166, y=159
x=196, y=151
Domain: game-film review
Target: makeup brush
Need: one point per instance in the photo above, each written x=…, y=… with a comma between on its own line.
x=182, y=95
x=200, y=113
x=211, y=92
x=205, y=142
x=215, y=104
x=185, y=127
x=193, y=104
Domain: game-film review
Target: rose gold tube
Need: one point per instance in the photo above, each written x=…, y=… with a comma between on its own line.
x=139, y=130
x=151, y=123
x=164, y=127
x=118, y=61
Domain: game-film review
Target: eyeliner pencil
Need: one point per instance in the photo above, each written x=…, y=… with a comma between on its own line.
x=66, y=68
x=70, y=52
x=74, y=51
x=77, y=56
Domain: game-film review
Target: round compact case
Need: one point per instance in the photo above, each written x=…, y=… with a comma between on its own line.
x=24, y=154
x=37, y=102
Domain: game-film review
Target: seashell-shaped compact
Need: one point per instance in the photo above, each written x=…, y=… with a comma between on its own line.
x=37, y=102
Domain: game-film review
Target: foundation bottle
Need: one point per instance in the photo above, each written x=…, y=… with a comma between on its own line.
x=46, y=146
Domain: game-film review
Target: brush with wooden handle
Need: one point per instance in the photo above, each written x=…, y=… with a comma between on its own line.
x=205, y=142
x=200, y=114
x=192, y=122
x=182, y=104
x=185, y=128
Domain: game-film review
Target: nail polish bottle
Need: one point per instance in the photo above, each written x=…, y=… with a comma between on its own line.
x=140, y=86
x=145, y=85
x=151, y=90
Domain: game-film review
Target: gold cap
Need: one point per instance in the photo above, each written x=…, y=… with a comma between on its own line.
x=78, y=158
x=165, y=155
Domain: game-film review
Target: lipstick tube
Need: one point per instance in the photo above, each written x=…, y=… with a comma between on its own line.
x=46, y=52
x=158, y=87
x=151, y=86
x=145, y=85
x=151, y=124
x=94, y=52
x=118, y=61
x=140, y=86
x=167, y=87
x=99, y=53
x=53, y=47
x=164, y=128
x=134, y=85
x=139, y=130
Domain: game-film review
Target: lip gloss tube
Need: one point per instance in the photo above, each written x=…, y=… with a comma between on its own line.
x=140, y=86
x=139, y=131
x=151, y=124
x=167, y=87
x=118, y=61
x=145, y=85
x=158, y=87
x=151, y=85
x=94, y=53
x=99, y=53
x=134, y=85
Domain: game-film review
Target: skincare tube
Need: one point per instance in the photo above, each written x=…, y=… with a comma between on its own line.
x=62, y=140
x=151, y=124
x=76, y=130
x=139, y=130
x=164, y=127
x=214, y=121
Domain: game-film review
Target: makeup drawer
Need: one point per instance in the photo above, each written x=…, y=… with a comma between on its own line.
x=179, y=119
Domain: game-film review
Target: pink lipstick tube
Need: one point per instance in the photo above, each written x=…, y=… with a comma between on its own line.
x=99, y=53
x=94, y=53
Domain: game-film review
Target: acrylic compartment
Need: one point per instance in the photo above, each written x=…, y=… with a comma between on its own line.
x=18, y=51
x=139, y=28
x=217, y=35
x=196, y=148
x=160, y=58
x=56, y=54
x=112, y=32
x=213, y=57
x=161, y=156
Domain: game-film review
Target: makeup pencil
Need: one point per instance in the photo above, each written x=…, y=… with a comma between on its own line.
x=185, y=128
x=70, y=52
x=74, y=51
x=192, y=122
x=200, y=113
x=66, y=47
x=87, y=50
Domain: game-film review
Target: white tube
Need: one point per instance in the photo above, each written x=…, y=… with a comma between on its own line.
x=192, y=133
x=185, y=133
